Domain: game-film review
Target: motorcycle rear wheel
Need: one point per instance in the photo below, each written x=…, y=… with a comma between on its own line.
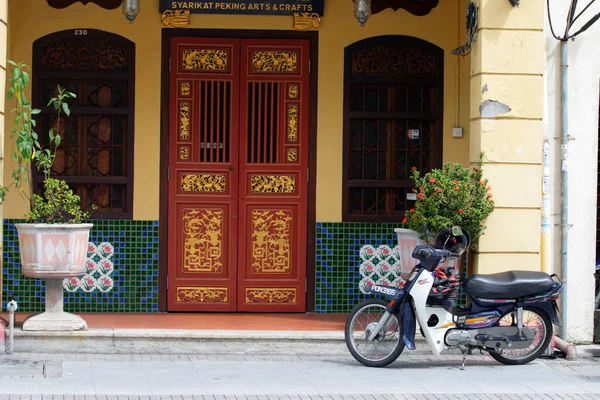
x=533, y=318
x=387, y=347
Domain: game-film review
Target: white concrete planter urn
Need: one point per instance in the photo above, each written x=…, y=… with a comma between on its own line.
x=54, y=252
x=408, y=240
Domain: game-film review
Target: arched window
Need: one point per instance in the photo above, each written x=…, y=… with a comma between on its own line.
x=95, y=156
x=393, y=108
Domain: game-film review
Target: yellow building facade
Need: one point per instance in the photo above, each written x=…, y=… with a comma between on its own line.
x=495, y=95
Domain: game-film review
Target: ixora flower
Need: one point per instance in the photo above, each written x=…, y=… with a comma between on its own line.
x=452, y=195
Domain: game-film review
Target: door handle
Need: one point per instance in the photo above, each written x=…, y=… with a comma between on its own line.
x=231, y=167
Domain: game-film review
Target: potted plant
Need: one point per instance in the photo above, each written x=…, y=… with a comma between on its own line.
x=53, y=241
x=452, y=195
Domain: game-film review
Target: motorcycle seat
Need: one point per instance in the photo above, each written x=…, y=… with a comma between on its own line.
x=508, y=285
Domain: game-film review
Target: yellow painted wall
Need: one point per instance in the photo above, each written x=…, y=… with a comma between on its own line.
x=32, y=19
x=508, y=67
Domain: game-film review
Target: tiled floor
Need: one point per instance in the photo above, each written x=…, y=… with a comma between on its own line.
x=221, y=321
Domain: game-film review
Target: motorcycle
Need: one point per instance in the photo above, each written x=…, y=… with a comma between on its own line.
x=509, y=314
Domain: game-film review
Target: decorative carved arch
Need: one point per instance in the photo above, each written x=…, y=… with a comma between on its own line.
x=418, y=8
x=107, y=4
x=97, y=50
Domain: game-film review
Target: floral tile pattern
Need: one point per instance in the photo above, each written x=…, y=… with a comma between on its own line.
x=381, y=266
x=99, y=268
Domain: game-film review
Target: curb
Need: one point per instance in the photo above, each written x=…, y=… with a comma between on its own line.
x=163, y=341
x=186, y=334
x=180, y=341
x=209, y=342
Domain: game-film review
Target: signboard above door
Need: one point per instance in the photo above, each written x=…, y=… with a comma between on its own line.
x=254, y=7
x=306, y=13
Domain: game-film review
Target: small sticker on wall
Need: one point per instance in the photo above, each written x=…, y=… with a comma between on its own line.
x=413, y=134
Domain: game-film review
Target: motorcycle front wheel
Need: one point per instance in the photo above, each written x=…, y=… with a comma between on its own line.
x=388, y=343
x=535, y=319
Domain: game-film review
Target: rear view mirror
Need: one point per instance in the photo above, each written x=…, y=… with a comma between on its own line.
x=456, y=230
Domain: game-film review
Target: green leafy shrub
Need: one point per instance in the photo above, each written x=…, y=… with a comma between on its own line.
x=59, y=204
x=453, y=195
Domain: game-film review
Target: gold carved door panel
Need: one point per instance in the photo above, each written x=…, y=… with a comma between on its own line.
x=238, y=167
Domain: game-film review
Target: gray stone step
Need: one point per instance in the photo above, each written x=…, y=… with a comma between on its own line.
x=170, y=341
x=206, y=342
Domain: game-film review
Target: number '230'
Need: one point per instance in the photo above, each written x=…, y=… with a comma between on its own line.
x=80, y=32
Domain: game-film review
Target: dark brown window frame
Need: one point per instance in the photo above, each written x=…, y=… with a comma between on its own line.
x=391, y=41
x=39, y=75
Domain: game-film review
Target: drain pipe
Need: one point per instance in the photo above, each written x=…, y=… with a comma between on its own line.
x=546, y=244
x=564, y=186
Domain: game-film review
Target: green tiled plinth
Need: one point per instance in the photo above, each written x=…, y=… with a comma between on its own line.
x=135, y=275
x=338, y=260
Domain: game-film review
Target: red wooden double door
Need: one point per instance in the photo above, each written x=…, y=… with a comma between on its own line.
x=238, y=172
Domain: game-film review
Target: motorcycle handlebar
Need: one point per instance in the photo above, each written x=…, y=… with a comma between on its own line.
x=448, y=254
x=426, y=253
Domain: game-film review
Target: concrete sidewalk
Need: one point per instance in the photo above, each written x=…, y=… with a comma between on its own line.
x=389, y=396
x=217, y=364
x=283, y=377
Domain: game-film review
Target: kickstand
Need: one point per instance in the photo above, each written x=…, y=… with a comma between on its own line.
x=464, y=354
